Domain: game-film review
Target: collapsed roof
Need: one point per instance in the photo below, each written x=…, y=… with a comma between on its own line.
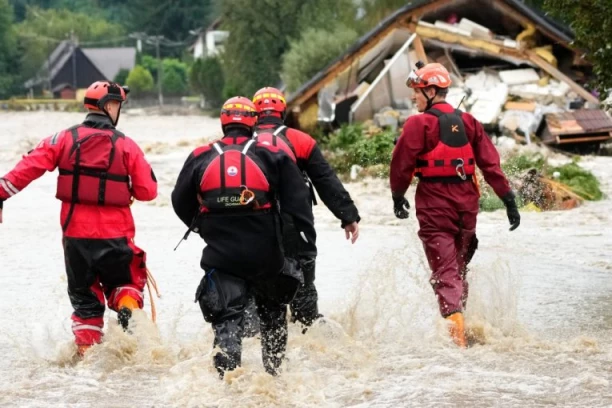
x=464, y=34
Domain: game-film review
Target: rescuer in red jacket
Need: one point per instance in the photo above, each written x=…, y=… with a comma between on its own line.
x=317, y=173
x=230, y=192
x=101, y=171
x=442, y=147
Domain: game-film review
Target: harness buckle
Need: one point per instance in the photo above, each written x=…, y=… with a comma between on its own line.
x=461, y=170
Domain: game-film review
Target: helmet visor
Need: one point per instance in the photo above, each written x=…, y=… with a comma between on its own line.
x=415, y=80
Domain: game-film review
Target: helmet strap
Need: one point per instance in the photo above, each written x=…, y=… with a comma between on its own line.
x=429, y=100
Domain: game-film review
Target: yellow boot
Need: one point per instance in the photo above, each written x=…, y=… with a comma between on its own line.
x=457, y=330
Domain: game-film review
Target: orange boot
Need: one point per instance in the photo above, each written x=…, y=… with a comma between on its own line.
x=82, y=349
x=457, y=330
x=125, y=306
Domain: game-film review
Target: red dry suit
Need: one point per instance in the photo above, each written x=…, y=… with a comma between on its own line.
x=446, y=201
x=100, y=171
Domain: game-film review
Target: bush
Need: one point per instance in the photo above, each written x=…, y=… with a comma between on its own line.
x=312, y=52
x=140, y=80
x=174, y=79
x=121, y=77
x=206, y=78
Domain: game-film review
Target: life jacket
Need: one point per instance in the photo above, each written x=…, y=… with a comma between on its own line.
x=234, y=182
x=452, y=160
x=274, y=139
x=279, y=139
x=92, y=169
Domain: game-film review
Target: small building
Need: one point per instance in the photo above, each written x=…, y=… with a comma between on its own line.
x=70, y=67
x=209, y=41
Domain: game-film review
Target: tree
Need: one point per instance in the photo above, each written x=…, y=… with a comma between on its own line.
x=312, y=52
x=256, y=42
x=9, y=63
x=171, y=18
x=206, y=77
x=140, y=80
x=42, y=30
x=590, y=20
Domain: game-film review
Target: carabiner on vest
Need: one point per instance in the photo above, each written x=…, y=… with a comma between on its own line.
x=460, y=169
x=246, y=196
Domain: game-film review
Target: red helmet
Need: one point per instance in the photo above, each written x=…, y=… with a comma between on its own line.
x=238, y=111
x=429, y=75
x=269, y=99
x=101, y=92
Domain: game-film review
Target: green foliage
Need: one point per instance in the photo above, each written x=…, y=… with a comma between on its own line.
x=206, y=77
x=174, y=79
x=9, y=64
x=592, y=26
x=259, y=35
x=312, y=52
x=121, y=76
x=350, y=145
x=150, y=63
x=171, y=18
x=580, y=181
x=41, y=30
x=325, y=14
x=140, y=80
x=515, y=165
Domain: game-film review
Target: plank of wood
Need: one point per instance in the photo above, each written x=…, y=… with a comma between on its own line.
x=544, y=65
x=420, y=50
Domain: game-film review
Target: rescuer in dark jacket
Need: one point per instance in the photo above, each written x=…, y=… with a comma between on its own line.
x=229, y=192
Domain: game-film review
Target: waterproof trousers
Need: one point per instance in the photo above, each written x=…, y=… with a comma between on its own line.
x=101, y=271
x=223, y=298
x=449, y=240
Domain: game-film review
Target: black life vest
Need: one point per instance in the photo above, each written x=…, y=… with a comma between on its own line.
x=452, y=160
x=234, y=181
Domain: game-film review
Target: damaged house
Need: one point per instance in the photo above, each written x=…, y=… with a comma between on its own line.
x=512, y=67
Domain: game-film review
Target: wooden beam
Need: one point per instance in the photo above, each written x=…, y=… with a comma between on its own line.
x=544, y=65
x=585, y=139
x=420, y=50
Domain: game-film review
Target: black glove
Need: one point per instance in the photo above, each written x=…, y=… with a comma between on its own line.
x=1, y=203
x=512, y=211
x=401, y=207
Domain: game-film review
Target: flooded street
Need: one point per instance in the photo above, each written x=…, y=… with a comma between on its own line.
x=540, y=308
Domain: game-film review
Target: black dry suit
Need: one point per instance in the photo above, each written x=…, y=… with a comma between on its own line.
x=230, y=192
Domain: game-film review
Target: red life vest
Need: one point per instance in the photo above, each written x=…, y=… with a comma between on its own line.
x=452, y=160
x=234, y=181
x=278, y=139
x=92, y=168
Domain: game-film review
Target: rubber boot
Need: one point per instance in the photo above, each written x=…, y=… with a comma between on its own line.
x=273, y=336
x=82, y=349
x=457, y=329
x=228, y=337
x=125, y=307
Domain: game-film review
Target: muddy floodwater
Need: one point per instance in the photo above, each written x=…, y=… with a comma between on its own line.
x=540, y=306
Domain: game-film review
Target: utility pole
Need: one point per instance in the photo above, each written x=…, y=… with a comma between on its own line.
x=159, y=70
x=74, y=65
